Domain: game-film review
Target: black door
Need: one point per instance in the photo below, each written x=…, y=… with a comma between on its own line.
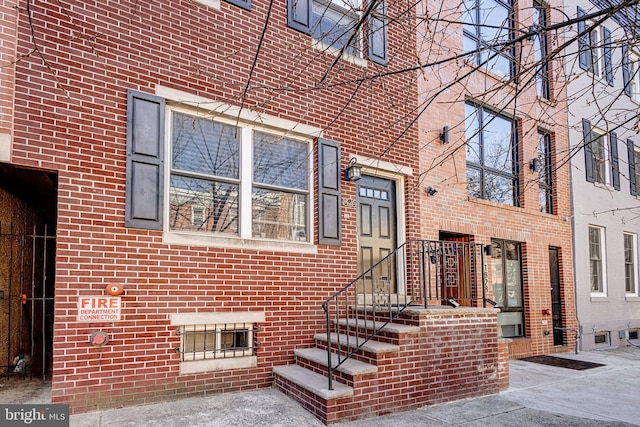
x=556, y=299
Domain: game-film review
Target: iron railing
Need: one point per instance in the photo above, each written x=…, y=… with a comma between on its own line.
x=417, y=273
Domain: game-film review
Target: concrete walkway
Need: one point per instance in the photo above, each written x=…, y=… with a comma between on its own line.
x=538, y=395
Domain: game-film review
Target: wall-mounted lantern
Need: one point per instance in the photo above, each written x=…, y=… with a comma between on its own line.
x=353, y=172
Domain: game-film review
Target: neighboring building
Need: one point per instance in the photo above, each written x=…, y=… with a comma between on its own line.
x=175, y=212
x=494, y=147
x=604, y=97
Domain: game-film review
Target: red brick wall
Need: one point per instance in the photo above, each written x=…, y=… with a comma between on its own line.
x=70, y=118
x=445, y=88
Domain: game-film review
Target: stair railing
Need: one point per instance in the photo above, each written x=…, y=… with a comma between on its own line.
x=370, y=302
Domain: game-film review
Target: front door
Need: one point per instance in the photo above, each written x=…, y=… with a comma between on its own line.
x=376, y=233
x=455, y=268
x=556, y=300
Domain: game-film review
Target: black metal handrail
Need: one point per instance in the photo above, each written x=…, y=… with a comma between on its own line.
x=371, y=301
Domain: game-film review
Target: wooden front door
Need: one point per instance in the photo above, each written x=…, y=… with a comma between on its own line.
x=455, y=268
x=376, y=233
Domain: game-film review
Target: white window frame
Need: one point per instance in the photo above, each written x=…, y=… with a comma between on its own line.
x=634, y=76
x=192, y=104
x=336, y=7
x=603, y=261
x=634, y=260
x=606, y=173
x=220, y=320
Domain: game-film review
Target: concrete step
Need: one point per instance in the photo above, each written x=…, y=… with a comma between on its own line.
x=392, y=328
x=315, y=383
x=371, y=346
x=350, y=366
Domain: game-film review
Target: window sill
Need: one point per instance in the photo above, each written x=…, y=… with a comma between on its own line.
x=632, y=298
x=356, y=60
x=215, y=4
x=599, y=298
x=237, y=243
x=194, y=366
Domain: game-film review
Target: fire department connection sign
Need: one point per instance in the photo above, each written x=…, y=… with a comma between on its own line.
x=98, y=309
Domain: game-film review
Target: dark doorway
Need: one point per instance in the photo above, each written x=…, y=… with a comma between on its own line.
x=28, y=206
x=556, y=298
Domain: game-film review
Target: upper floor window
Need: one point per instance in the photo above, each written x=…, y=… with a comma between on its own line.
x=630, y=73
x=339, y=26
x=545, y=173
x=633, y=154
x=601, y=156
x=541, y=51
x=487, y=26
x=335, y=23
x=491, y=156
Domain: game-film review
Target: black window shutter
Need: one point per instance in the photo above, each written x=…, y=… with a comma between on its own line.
x=245, y=4
x=631, y=152
x=377, y=39
x=583, y=41
x=145, y=160
x=615, y=164
x=608, y=65
x=329, y=197
x=299, y=15
x=588, y=154
x=626, y=77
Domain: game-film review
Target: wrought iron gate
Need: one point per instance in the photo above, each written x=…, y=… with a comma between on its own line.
x=27, y=266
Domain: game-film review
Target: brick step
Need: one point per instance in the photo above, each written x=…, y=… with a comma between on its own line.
x=353, y=342
x=390, y=328
x=349, y=372
x=310, y=381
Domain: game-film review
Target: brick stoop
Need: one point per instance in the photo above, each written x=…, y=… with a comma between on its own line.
x=424, y=357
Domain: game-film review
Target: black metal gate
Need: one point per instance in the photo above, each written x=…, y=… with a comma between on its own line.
x=27, y=266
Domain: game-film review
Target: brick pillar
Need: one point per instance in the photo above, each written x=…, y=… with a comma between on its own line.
x=503, y=362
x=8, y=42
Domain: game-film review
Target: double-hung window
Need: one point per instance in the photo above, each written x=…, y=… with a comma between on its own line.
x=541, y=51
x=487, y=31
x=340, y=26
x=633, y=154
x=597, y=272
x=589, y=45
x=507, y=287
x=237, y=181
x=630, y=263
x=545, y=173
x=630, y=73
x=601, y=156
x=491, y=156
x=224, y=180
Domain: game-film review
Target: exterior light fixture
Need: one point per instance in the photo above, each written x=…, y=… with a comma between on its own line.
x=452, y=302
x=431, y=191
x=533, y=164
x=491, y=302
x=444, y=136
x=353, y=172
x=488, y=250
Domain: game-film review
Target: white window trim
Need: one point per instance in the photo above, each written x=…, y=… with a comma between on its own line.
x=215, y=4
x=248, y=121
x=606, y=148
x=359, y=59
x=603, y=259
x=634, y=76
x=221, y=319
x=635, y=266
x=218, y=328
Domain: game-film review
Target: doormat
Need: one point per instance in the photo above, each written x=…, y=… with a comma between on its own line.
x=561, y=362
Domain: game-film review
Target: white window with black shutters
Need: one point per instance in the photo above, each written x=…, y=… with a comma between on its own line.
x=597, y=264
x=342, y=27
x=633, y=154
x=216, y=179
x=601, y=156
x=631, y=73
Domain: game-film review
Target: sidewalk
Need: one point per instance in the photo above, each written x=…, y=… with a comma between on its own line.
x=538, y=395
